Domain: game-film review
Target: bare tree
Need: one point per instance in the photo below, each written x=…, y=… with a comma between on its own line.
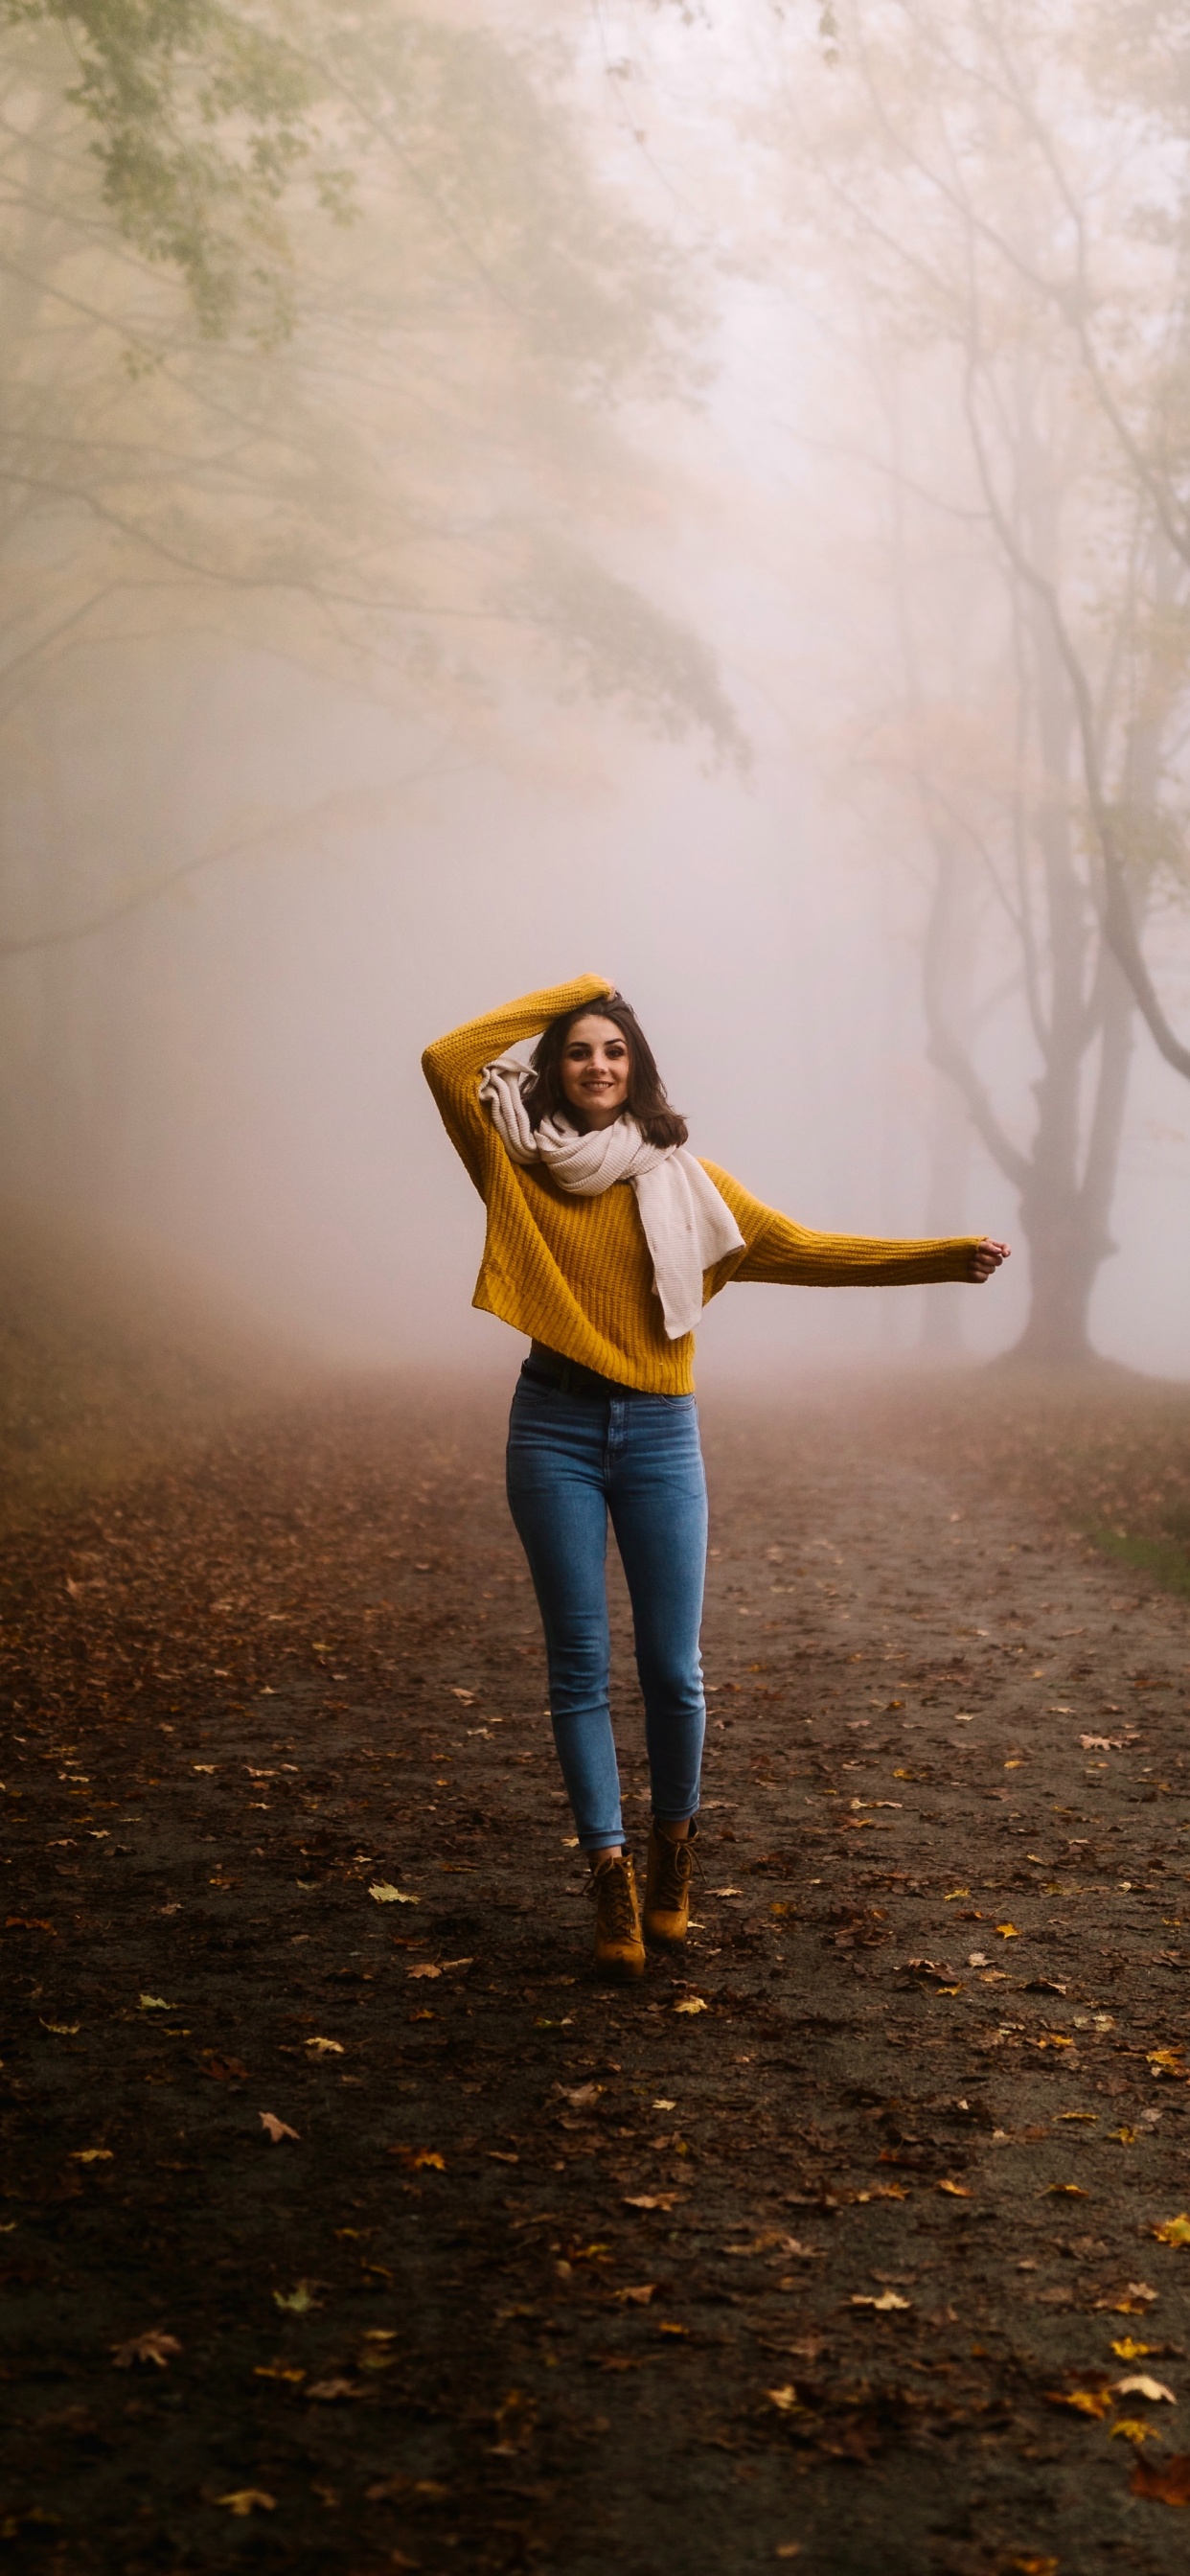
x=1036, y=653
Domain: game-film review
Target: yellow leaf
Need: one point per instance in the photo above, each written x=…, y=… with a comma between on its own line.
x=297, y=2302
x=91, y=2156
x=1129, y=2350
x=695, y=2005
x=279, y=2370
x=384, y=1893
x=1065, y=2191
x=784, y=2398
x=156, y=2003
x=638, y=2295
x=326, y=2047
x=887, y=2301
x=957, y=2190
x=1008, y=1931
x=244, y=2500
x=1133, y=2428
x=1085, y=2401
x=954, y=1893
x=1174, y=2231
x=427, y=1969
x=427, y=2158
x=1169, y=2060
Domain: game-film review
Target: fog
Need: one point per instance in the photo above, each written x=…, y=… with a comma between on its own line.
x=739, y=800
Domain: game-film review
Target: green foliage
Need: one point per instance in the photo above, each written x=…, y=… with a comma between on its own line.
x=200, y=119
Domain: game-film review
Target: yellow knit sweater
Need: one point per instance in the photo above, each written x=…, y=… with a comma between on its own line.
x=576, y=1274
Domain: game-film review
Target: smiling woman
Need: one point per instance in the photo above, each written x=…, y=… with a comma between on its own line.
x=606, y=1237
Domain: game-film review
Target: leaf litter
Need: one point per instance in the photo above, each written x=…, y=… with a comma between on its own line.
x=809, y=2064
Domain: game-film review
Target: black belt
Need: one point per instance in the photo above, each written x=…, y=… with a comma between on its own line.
x=548, y=1368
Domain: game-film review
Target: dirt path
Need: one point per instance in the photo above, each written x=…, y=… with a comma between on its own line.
x=831, y=2249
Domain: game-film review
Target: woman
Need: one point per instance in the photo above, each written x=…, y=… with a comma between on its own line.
x=605, y=1238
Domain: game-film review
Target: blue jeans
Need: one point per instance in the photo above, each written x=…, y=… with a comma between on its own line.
x=572, y=1459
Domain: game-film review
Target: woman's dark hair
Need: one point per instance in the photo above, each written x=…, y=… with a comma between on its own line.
x=646, y=1101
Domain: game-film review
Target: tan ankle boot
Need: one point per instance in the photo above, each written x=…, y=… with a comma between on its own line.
x=619, y=1949
x=667, y=1886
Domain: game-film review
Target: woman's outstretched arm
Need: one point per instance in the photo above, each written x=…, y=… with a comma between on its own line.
x=452, y=1065
x=794, y=1255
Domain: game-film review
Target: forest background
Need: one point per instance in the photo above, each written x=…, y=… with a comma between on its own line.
x=490, y=492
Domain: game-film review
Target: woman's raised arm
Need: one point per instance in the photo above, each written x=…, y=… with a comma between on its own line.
x=452, y=1065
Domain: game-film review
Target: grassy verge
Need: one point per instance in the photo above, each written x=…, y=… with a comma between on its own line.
x=1105, y=1453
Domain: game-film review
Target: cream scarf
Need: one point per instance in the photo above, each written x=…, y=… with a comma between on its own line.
x=688, y=1225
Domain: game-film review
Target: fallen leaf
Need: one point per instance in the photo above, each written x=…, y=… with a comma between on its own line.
x=1035, y=2566
x=62, y=2029
x=649, y=2199
x=1065, y=2191
x=887, y=2300
x=325, y=2391
x=1167, y=2061
x=957, y=2190
x=244, y=2500
x=326, y=2047
x=1134, y=2428
x=784, y=2398
x=383, y=1893
x=427, y=1969
x=1153, y=2389
x=1128, y=2350
x=695, y=2005
x=1085, y=2401
x=90, y=2156
x=1164, y=2482
x=276, y=2128
x=580, y=2096
x=465, y=1695
x=1101, y=1743
x=223, y=2070
x=1008, y=1932
x=279, y=2370
x=299, y=2302
x=638, y=2295
x=1174, y=2231
x=725, y=1891
x=1131, y=2301
x=156, y=2003
x=154, y=2346
x=426, y=2159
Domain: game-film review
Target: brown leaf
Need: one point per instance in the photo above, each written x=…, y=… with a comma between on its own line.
x=650, y=2200
x=276, y=2128
x=324, y=2391
x=154, y=2346
x=1163, y=2481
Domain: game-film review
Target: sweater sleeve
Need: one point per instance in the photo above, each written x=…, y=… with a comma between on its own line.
x=776, y=1249
x=452, y=1065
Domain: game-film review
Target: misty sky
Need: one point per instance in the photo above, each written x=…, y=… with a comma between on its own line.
x=247, y=1084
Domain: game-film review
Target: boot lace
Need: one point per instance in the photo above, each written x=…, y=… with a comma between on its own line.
x=677, y=1866
x=612, y=1891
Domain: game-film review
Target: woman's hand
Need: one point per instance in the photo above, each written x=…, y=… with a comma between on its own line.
x=986, y=1258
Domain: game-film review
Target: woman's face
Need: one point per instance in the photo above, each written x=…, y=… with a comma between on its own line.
x=596, y=1070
